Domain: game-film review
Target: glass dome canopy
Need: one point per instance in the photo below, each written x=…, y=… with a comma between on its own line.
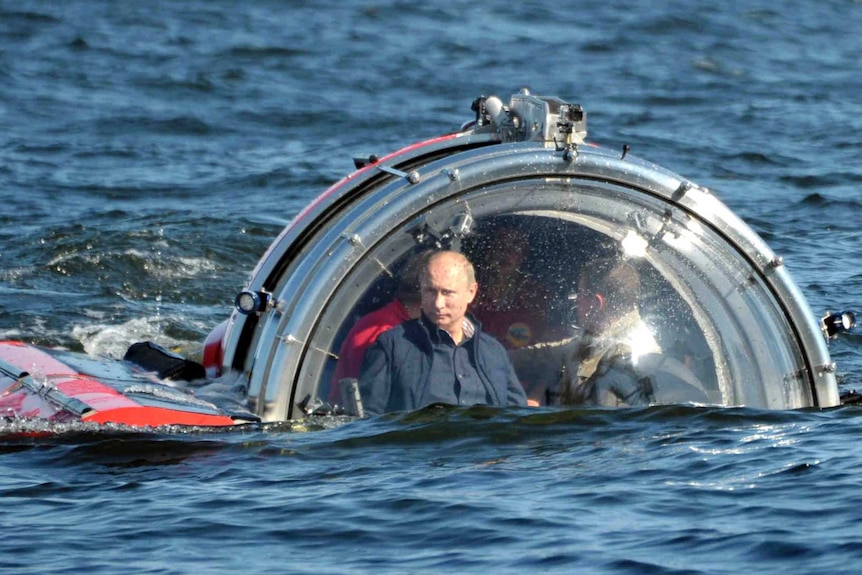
x=719, y=302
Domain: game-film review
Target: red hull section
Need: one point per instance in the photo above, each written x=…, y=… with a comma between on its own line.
x=35, y=383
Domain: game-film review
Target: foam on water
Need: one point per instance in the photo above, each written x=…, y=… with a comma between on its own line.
x=113, y=340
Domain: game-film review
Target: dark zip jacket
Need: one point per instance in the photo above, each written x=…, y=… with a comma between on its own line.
x=396, y=371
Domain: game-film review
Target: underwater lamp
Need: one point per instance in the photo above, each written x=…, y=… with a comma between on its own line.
x=833, y=324
x=247, y=301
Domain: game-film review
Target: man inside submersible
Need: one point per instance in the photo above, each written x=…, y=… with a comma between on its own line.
x=617, y=360
x=442, y=356
x=615, y=338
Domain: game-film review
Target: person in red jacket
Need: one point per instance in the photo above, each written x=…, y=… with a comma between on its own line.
x=405, y=305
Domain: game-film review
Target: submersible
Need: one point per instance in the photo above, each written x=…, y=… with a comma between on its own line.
x=718, y=300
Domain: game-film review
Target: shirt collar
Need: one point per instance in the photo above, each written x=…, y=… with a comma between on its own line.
x=468, y=327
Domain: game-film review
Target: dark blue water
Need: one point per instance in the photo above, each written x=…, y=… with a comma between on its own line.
x=149, y=153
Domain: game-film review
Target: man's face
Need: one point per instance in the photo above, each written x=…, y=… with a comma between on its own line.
x=446, y=293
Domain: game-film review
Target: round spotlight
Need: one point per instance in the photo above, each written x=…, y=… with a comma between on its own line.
x=833, y=324
x=247, y=302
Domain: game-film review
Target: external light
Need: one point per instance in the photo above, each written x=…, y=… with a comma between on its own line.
x=247, y=301
x=833, y=324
